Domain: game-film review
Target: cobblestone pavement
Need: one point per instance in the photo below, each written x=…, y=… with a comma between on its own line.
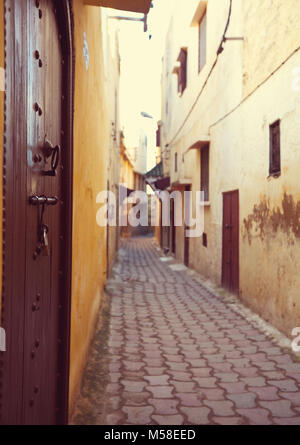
x=176, y=354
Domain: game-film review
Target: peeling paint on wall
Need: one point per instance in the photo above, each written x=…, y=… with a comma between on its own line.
x=267, y=221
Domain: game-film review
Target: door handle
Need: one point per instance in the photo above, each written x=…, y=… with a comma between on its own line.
x=54, y=152
x=43, y=200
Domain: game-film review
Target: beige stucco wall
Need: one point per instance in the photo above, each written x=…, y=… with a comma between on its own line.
x=235, y=110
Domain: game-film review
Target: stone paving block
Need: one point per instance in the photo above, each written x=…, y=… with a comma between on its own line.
x=135, y=399
x=209, y=351
x=289, y=367
x=231, y=352
x=164, y=406
x=248, y=350
x=153, y=371
x=256, y=416
x=138, y=415
x=239, y=362
x=244, y=400
x=273, y=375
x=115, y=358
x=114, y=419
x=133, y=366
x=153, y=354
x=168, y=420
x=254, y=381
x=154, y=362
x=194, y=355
x=186, y=341
x=148, y=347
x=258, y=357
x=114, y=403
x=183, y=386
x=227, y=376
x=279, y=408
x=228, y=420
x=199, y=363
x=206, y=382
x=212, y=394
x=177, y=366
x=196, y=416
x=294, y=397
x=220, y=408
x=246, y=372
x=287, y=421
x=284, y=385
x=221, y=367
x=160, y=392
x=114, y=367
x=114, y=377
x=202, y=372
x=133, y=386
x=174, y=358
x=169, y=351
x=234, y=388
x=158, y=380
x=214, y=358
x=295, y=376
x=133, y=375
x=266, y=393
x=266, y=366
x=180, y=376
x=189, y=399
x=113, y=388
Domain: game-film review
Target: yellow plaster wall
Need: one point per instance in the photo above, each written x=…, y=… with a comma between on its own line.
x=91, y=139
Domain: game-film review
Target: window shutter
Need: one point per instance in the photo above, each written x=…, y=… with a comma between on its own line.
x=158, y=137
x=202, y=42
x=275, y=156
x=182, y=73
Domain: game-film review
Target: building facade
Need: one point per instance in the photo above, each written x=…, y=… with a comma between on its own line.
x=230, y=128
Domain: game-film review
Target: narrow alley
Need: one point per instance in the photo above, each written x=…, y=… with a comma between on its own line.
x=176, y=354
x=150, y=213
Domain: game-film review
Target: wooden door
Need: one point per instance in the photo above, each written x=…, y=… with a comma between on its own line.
x=230, y=266
x=161, y=235
x=38, y=204
x=186, y=228
x=173, y=227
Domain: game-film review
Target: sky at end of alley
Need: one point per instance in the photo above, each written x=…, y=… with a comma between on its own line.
x=141, y=61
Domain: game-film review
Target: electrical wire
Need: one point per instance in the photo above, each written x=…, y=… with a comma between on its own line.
x=256, y=88
x=220, y=49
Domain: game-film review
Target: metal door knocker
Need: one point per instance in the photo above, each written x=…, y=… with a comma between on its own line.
x=54, y=153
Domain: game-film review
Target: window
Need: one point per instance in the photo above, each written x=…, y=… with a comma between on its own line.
x=204, y=240
x=158, y=136
x=275, y=157
x=202, y=43
x=176, y=163
x=182, y=72
x=205, y=172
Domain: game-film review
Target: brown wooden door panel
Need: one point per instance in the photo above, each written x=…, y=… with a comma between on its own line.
x=36, y=302
x=230, y=260
x=173, y=227
x=186, y=239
